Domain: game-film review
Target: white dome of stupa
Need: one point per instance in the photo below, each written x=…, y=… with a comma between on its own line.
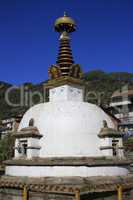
x=69, y=128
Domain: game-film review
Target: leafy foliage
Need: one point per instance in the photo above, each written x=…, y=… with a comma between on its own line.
x=101, y=75
x=15, y=96
x=6, y=148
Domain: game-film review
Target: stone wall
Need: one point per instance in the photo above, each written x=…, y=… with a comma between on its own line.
x=46, y=196
x=12, y=194
x=128, y=195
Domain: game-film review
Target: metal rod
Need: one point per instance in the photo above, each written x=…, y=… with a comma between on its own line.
x=119, y=190
x=25, y=193
x=77, y=195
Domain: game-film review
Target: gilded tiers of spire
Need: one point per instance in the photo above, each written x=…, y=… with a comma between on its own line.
x=65, y=64
x=65, y=58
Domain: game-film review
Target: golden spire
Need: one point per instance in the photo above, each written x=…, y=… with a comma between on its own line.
x=65, y=64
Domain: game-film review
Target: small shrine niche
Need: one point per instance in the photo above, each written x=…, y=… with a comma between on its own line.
x=31, y=122
x=22, y=147
x=27, y=142
x=111, y=143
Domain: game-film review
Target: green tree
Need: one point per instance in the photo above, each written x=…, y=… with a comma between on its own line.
x=6, y=147
x=95, y=75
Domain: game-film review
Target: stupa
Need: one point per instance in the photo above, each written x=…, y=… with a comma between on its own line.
x=67, y=146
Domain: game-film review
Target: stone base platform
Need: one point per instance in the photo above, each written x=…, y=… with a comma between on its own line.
x=61, y=188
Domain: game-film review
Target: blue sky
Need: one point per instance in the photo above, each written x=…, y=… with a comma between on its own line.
x=29, y=45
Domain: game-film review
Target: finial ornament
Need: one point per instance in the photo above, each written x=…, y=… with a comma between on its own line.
x=65, y=14
x=65, y=23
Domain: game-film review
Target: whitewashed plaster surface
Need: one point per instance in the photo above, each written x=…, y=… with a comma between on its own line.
x=36, y=171
x=69, y=128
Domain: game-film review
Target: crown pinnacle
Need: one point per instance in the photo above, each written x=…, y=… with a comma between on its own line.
x=65, y=23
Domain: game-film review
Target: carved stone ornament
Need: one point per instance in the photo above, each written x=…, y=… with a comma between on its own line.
x=54, y=71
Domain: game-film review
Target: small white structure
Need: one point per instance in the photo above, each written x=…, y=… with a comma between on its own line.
x=27, y=143
x=111, y=141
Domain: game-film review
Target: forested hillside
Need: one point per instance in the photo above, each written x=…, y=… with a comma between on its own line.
x=104, y=84
x=17, y=96
x=99, y=82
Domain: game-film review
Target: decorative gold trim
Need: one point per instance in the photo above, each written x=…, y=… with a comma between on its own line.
x=64, y=80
